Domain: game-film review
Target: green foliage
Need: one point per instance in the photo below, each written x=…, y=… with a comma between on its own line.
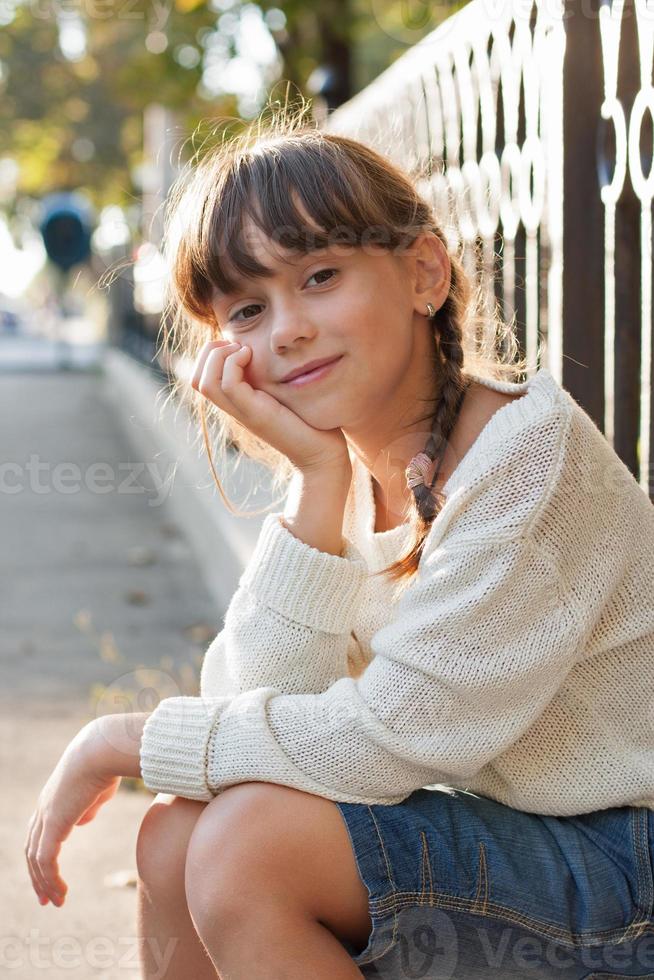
x=48, y=104
x=78, y=124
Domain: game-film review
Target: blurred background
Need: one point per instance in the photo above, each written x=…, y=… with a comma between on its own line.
x=117, y=557
x=530, y=129
x=98, y=103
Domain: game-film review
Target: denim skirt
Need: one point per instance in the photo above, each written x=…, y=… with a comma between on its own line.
x=462, y=887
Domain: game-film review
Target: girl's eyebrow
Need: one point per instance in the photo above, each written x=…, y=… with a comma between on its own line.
x=241, y=282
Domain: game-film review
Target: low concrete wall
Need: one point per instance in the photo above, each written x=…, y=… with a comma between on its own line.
x=163, y=435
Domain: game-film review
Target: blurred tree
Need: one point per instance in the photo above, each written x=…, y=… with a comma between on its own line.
x=76, y=122
x=74, y=82
x=353, y=40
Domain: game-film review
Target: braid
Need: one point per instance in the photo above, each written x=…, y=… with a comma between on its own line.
x=449, y=345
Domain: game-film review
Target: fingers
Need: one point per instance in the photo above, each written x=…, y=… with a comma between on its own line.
x=89, y=814
x=232, y=375
x=46, y=857
x=42, y=850
x=223, y=346
x=221, y=374
x=33, y=835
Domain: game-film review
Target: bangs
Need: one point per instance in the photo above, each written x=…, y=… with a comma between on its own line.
x=343, y=203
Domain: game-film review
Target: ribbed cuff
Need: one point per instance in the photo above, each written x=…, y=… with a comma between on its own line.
x=174, y=746
x=300, y=582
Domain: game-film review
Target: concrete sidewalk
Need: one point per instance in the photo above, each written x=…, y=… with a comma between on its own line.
x=103, y=596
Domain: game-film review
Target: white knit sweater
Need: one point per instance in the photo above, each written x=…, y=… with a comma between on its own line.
x=518, y=664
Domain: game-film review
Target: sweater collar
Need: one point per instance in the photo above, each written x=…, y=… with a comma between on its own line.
x=539, y=389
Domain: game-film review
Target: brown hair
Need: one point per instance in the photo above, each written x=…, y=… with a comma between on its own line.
x=343, y=184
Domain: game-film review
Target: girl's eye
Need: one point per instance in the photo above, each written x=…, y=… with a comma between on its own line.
x=320, y=272
x=250, y=307
x=255, y=305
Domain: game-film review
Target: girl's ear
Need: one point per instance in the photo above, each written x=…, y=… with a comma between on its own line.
x=432, y=272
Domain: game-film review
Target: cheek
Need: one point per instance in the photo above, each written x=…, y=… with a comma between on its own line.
x=378, y=361
x=256, y=372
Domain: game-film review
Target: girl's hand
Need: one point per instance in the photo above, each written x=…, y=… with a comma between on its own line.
x=218, y=374
x=71, y=797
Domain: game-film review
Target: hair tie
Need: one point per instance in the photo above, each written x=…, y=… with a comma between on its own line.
x=417, y=470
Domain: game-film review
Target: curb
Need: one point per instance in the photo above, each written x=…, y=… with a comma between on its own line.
x=162, y=434
x=29, y=353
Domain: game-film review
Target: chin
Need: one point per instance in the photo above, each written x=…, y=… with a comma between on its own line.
x=321, y=422
x=323, y=418
x=320, y=412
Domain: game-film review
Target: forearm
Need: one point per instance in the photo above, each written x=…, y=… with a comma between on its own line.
x=315, y=507
x=115, y=743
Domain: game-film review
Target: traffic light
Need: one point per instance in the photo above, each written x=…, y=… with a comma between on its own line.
x=66, y=229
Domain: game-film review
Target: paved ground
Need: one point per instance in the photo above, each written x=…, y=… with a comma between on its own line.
x=100, y=596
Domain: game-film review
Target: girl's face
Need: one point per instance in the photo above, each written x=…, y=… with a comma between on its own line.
x=356, y=302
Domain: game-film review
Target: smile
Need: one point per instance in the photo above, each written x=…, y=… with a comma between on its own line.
x=315, y=375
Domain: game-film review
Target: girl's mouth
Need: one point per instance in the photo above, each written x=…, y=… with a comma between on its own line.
x=315, y=375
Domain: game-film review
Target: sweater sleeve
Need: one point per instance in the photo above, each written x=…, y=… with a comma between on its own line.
x=289, y=623
x=480, y=644
x=479, y=647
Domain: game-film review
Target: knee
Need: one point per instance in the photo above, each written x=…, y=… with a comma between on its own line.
x=163, y=839
x=213, y=885
x=248, y=826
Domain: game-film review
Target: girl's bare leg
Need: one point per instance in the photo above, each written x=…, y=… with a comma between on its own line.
x=170, y=948
x=278, y=942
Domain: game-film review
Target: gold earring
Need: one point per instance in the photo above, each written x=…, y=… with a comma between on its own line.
x=431, y=312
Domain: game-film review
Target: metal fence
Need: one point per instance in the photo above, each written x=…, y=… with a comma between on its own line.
x=529, y=128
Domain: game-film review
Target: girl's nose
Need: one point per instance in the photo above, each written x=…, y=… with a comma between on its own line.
x=288, y=331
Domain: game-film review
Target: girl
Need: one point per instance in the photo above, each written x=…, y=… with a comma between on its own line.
x=423, y=742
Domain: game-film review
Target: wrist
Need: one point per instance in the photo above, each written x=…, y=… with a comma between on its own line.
x=334, y=472
x=315, y=507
